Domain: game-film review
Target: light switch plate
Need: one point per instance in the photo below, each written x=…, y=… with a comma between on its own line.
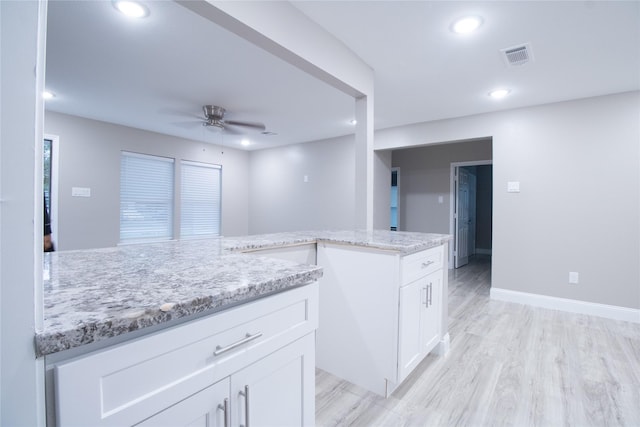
x=81, y=192
x=574, y=278
x=513, y=186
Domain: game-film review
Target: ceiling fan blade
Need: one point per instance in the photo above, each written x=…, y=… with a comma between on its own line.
x=253, y=125
x=231, y=131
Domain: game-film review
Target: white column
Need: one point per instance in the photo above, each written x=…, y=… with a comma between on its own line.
x=364, y=163
x=22, y=34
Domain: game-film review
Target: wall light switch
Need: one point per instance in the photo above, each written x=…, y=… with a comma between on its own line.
x=80, y=192
x=440, y=199
x=306, y=178
x=513, y=186
x=573, y=277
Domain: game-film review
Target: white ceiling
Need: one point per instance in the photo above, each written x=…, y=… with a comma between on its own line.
x=156, y=73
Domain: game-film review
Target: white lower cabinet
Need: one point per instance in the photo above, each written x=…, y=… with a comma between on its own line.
x=206, y=408
x=381, y=313
x=275, y=390
x=270, y=392
x=251, y=365
x=419, y=325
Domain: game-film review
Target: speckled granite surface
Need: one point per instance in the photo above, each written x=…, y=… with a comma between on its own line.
x=96, y=294
x=401, y=241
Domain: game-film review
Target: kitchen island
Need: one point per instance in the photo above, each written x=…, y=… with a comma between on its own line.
x=156, y=332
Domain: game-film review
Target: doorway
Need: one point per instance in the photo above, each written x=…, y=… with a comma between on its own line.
x=471, y=211
x=50, y=149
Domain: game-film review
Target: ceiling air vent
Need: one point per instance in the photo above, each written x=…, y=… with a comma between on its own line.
x=517, y=55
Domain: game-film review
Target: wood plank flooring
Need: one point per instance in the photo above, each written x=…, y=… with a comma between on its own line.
x=509, y=365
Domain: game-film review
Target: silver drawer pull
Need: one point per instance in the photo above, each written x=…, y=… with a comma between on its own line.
x=246, y=339
x=225, y=408
x=246, y=406
x=427, y=264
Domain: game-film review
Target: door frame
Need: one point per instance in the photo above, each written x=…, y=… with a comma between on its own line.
x=452, y=200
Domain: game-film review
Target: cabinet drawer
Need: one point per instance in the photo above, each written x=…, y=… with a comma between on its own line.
x=420, y=264
x=137, y=379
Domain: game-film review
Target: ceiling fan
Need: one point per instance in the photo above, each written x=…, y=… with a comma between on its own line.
x=214, y=116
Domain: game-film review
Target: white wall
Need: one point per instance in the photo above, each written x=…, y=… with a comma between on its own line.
x=90, y=157
x=21, y=375
x=425, y=175
x=578, y=163
x=280, y=200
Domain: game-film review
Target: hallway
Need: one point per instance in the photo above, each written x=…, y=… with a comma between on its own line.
x=509, y=364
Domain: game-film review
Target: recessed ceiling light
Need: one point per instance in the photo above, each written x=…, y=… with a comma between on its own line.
x=47, y=95
x=499, y=93
x=245, y=142
x=466, y=25
x=131, y=8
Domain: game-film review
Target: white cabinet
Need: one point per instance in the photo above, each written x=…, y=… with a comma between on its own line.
x=381, y=313
x=206, y=408
x=274, y=390
x=419, y=325
x=270, y=392
x=182, y=375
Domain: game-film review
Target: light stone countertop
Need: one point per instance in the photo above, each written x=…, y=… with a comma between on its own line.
x=93, y=295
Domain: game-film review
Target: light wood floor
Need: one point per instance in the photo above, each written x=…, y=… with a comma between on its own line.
x=510, y=365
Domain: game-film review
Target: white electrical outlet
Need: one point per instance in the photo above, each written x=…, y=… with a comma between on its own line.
x=573, y=277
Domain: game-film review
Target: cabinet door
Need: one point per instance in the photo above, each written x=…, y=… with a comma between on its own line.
x=431, y=321
x=205, y=408
x=277, y=390
x=413, y=300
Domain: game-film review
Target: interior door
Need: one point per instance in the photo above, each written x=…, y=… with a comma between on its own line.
x=461, y=254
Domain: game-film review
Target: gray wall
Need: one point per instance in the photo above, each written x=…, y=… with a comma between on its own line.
x=578, y=210
x=280, y=200
x=89, y=156
x=578, y=164
x=425, y=174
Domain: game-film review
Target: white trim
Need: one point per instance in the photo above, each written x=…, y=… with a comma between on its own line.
x=452, y=195
x=442, y=349
x=570, y=305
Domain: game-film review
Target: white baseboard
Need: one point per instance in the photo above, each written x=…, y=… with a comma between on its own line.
x=573, y=306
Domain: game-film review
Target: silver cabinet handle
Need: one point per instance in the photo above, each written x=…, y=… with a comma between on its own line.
x=245, y=393
x=428, y=263
x=246, y=339
x=430, y=294
x=225, y=408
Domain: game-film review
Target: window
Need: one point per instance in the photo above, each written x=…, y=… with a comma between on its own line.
x=200, y=200
x=146, y=198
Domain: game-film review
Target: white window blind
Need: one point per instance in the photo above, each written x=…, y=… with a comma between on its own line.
x=200, y=199
x=146, y=198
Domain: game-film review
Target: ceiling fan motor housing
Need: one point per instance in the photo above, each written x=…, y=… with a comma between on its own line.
x=214, y=115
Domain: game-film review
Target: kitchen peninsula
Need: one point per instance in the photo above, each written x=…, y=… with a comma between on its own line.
x=157, y=332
